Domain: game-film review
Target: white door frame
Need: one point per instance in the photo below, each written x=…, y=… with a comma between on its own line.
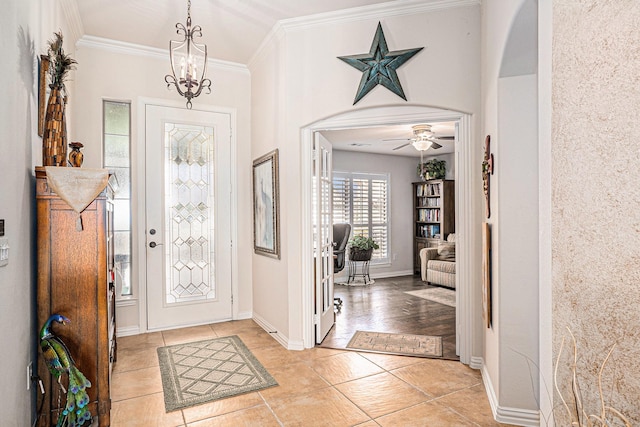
x=466, y=238
x=138, y=234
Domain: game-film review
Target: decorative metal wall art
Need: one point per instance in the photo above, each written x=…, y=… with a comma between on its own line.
x=379, y=66
x=487, y=170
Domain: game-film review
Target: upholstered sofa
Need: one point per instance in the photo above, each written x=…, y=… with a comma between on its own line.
x=438, y=265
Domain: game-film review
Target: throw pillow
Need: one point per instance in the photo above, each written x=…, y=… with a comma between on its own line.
x=447, y=251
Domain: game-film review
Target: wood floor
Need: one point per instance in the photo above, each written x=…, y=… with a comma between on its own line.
x=385, y=307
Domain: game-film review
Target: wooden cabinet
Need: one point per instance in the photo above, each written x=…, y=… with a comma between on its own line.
x=75, y=279
x=433, y=215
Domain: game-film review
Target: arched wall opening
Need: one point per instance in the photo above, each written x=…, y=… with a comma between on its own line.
x=467, y=316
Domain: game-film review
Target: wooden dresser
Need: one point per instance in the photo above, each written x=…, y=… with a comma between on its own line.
x=75, y=279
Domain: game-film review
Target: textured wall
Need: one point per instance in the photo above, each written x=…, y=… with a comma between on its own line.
x=596, y=196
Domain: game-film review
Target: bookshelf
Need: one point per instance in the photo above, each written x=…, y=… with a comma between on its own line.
x=433, y=215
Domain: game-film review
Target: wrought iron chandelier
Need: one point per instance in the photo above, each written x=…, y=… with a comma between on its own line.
x=188, y=58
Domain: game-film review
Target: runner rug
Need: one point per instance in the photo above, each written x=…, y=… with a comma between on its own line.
x=439, y=295
x=203, y=371
x=402, y=344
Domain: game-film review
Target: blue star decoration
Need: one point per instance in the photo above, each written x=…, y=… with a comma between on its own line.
x=379, y=66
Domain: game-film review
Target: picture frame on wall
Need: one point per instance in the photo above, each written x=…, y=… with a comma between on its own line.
x=266, y=205
x=43, y=69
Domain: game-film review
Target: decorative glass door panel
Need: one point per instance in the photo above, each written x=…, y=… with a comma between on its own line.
x=189, y=196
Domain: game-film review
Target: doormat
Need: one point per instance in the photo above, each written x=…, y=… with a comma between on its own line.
x=439, y=295
x=402, y=344
x=203, y=371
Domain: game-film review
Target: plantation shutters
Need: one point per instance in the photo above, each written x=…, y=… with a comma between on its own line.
x=362, y=200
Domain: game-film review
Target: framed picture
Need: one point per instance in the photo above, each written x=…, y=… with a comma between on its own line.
x=43, y=69
x=266, y=201
x=486, y=273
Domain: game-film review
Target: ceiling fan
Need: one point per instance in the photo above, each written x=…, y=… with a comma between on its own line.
x=423, y=139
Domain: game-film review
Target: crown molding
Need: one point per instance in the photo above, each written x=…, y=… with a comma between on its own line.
x=125, y=48
x=72, y=16
x=362, y=13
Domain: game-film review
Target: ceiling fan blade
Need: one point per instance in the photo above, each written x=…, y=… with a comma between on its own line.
x=445, y=138
x=397, y=139
x=435, y=145
x=400, y=146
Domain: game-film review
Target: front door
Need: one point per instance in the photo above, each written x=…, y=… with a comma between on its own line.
x=188, y=218
x=325, y=316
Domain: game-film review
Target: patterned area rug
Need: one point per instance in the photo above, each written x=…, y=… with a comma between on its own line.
x=440, y=295
x=203, y=371
x=402, y=344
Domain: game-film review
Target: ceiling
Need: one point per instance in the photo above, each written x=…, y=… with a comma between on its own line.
x=233, y=31
x=383, y=139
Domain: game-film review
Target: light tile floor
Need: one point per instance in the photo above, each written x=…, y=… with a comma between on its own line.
x=317, y=387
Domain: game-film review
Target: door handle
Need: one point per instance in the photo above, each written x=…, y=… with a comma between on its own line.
x=154, y=244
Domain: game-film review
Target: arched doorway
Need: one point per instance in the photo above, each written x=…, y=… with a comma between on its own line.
x=380, y=116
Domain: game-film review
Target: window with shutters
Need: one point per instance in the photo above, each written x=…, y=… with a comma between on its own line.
x=362, y=200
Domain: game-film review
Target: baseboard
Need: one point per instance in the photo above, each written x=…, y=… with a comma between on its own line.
x=476, y=362
x=128, y=330
x=506, y=415
x=372, y=273
x=278, y=336
x=244, y=315
x=375, y=275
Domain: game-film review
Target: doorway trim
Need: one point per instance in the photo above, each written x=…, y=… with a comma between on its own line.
x=465, y=236
x=138, y=243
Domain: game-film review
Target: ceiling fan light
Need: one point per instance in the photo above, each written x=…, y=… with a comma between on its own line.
x=422, y=131
x=421, y=144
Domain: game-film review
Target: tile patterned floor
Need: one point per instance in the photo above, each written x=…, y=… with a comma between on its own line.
x=317, y=387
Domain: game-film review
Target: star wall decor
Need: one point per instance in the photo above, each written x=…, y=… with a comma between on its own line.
x=379, y=66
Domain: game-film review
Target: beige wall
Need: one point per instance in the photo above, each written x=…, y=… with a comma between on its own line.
x=25, y=26
x=596, y=171
x=298, y=80
x=131, y=73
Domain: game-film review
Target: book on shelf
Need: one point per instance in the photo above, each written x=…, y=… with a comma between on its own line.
x=429, y=231
x=429, y=215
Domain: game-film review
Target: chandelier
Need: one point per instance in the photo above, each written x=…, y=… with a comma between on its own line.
x=188, y=61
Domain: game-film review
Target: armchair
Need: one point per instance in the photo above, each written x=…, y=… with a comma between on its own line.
x=438, y=265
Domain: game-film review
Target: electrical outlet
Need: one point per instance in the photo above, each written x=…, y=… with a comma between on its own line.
x=29, y=374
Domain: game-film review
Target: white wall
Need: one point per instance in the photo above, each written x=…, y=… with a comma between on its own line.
x=132, y=73
x=516, y=241
x=297, y=80
x=25, y=26
x=510, y=118
x=402, y=172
